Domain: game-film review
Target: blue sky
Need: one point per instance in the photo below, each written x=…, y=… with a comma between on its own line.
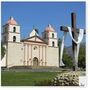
x=40, y=14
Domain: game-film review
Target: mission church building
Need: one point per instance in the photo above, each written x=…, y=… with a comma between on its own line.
x=32, y=51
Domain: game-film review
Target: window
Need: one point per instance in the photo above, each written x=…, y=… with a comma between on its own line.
x=14, y=29
x=14, y=38
x=53, y=44
x=52, y=35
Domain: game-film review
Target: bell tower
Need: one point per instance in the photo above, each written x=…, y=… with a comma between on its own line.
x=50, y=36
x=11, y=31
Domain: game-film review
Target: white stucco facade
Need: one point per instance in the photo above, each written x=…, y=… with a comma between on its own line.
x=15, y=54
x=32, y=51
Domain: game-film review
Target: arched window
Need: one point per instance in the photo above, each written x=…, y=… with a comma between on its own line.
x=53, y=44
x=52, y=35
x=14, y=38
x=14, y=29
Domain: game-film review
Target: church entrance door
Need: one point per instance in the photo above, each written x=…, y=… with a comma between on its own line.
x=35, y=61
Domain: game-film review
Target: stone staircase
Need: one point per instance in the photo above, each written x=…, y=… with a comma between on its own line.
x=35, y=69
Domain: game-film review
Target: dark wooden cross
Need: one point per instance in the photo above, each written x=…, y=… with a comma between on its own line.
x=75, y=32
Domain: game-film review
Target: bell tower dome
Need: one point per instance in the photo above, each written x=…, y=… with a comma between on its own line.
x=12, y=21
x=11, y=31
x=50, y=36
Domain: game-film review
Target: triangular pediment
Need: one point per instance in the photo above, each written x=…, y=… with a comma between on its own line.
x=35, y=39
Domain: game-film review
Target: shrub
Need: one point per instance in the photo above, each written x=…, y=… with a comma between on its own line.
x=66, y=79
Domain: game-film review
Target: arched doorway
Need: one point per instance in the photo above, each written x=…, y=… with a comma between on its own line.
x=35, y=61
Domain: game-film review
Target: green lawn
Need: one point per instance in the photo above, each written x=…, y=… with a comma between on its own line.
x=25, y=78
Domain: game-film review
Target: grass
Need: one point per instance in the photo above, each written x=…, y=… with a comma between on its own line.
x=25, y=78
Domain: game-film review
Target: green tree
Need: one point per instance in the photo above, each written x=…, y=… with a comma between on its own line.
x=67, y=60
x=82, y=59
x=2, y=51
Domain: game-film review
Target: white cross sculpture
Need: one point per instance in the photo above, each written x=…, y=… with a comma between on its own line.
x=76, y=36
